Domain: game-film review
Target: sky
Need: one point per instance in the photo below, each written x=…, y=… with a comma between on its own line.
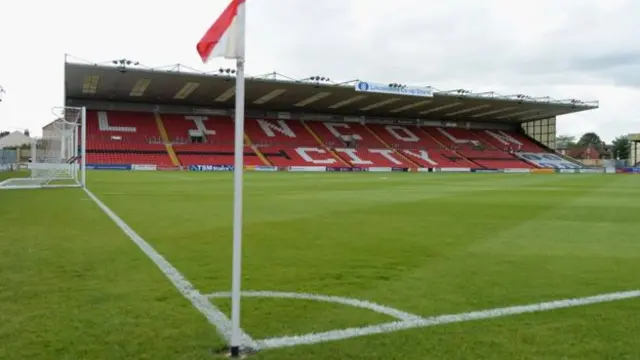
x=566, y=49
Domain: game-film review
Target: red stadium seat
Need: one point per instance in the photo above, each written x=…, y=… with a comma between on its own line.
x=129, y=138
x=404, y=137
x=337, y=135
x=284, y=133
x=117, y=137
x=215, y=129
x=508, y=140
x=128, y=127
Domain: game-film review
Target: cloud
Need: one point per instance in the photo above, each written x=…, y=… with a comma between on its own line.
x=585, y=49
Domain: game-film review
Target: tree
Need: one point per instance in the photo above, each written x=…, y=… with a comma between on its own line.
x=23, y=147
x=565, y=141
x=590, y=139
x=26, y=132
x=621, y=147
x=4, y=133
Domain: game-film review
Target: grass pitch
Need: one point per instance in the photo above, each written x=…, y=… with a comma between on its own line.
x=73, y=286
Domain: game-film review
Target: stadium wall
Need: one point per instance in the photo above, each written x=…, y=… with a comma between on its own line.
x=543, y=130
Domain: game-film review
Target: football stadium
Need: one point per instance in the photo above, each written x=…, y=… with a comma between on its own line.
x=380, y=221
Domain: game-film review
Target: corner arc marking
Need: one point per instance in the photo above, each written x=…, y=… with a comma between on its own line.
x=381, y=309
x=335, y=335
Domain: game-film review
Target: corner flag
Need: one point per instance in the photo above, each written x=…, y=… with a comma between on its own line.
x=226, y=38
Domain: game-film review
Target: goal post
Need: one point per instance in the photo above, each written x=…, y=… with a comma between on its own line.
x=58, y=159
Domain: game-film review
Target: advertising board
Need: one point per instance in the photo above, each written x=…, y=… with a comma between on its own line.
x=108, y=167
x=210, y=168
x=144, y=167
x=265, y=168
x=307, y=168
x=517, y=171
x=455, y=169
x=379, y=169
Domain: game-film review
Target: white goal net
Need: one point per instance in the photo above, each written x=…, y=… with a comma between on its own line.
x=57, y=159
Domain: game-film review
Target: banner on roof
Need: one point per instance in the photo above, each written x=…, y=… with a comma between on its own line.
x=354, y=119
x=201, y=111
x=210, y=168
x=365, y=86
x=316, y=117
x=409, y=122
x=438, y=123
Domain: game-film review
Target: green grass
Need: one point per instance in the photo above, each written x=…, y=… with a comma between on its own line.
x=4, y=175
x=73, y=286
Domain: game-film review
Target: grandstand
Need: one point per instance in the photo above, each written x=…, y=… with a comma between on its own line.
x=173, y=120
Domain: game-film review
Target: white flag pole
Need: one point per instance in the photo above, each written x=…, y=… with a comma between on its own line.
x=238, y=171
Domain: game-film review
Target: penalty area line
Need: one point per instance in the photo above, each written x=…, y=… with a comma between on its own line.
x=334, y=335
x=215, y=317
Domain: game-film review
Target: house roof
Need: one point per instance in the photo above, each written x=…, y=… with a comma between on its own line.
x=14, y=139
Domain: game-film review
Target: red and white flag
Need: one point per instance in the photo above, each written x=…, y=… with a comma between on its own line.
x=225, y=38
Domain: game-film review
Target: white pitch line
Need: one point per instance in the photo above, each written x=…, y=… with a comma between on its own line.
x=334, y=335
x=216, y=317
x=381, y=309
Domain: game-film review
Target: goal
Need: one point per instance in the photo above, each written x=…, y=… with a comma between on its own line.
x=58, y=158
